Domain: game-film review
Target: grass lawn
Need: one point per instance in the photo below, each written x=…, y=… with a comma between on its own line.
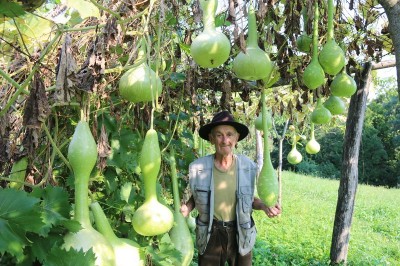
x=302, y=235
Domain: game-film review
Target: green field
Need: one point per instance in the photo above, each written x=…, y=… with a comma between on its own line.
x=302, y=235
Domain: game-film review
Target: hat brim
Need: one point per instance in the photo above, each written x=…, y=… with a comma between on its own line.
x=205, y=130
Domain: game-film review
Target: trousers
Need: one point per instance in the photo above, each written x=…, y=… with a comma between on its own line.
x=222, y=247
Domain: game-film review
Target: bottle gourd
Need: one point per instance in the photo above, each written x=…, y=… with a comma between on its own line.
x=82, y=155
x=210, y=48
x=267, y=181
x=253, y=63
x=151, y=218
x=180, y=233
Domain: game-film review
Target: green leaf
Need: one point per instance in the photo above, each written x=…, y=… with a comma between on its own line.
x=55, y=206
x=86, y=9
x=11, y=9
x=19, y=213
x=127, y=193
x=72, y=257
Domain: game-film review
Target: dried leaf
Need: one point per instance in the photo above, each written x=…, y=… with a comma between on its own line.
x=37, y=106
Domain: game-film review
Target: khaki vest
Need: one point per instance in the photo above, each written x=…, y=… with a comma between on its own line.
x=202, y=186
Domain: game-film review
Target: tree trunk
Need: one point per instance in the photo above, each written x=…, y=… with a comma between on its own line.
x=392, y=9
x=349, y=173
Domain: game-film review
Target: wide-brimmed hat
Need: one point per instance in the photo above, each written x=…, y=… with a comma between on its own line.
x=223, y=118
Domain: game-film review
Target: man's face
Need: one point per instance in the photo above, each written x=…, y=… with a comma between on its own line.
x=224, y=138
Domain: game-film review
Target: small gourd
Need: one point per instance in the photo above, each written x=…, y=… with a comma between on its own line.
x=331, y=57
x=210, y=48
x=151, y=218
x=335, y=105
x=304, y=41
x=253, y=63
x=320, y=115
x=294, y=156
x=312, y=146
x=343, y=85
x=314, y=75
x=140, y=83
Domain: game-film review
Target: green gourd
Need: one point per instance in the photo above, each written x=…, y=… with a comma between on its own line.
x=253, y=63
x=304, y=41
x=335, y=105
x=151, y=218
x=210, y=48
x=140, y=83
x=258, y=122
x=180, y=234
x=314, y=75
x=343, y=85
x=320, y=115
x=294, y=156
x=82, y=156
x=18, y=172
x=267, y=181
x=127, y=252
x=331, y=57
x=312, y=146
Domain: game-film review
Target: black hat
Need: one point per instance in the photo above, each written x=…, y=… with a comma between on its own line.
x=223, y=118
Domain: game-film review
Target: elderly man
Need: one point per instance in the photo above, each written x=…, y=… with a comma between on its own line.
x=222, y=186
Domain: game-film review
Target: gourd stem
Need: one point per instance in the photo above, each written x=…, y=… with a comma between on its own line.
x=330, y=35
x=150, y=188
x=305, y=19
x=267, y=156
x=209, y=8
x=315, y=32
x=174, y=177
x=252, y=26
x=82, y=200
x=312, y=131
x=102, y=224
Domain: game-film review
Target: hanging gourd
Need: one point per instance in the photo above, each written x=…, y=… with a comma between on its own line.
x=331, y=57
x=151, y=218
x=210, y=48
x=267, y=181
x=314, y=75
x=320, y=115
x=304, y=41
x=335, y=105
x=127, y=252
x=294, y=156
x=180, y=234
x=82, y=156
x=343, y=85
x=140, y=83
x=258, y=122
x=312, y=146
x=253, y=63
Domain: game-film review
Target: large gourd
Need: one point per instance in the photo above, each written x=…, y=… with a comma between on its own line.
x=267, y=182
x=343, y=85
x=314, y=75
x=331, y=57
x=210, y=48
x=335, y=105
x=320, y=115
x=180, y=232
x=312, y=146
x=253, y=63
x=151, y=218
x=127, y=252
x=140, y=83
x=82, y=155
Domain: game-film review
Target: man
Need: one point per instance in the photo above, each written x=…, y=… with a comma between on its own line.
x=222, y=186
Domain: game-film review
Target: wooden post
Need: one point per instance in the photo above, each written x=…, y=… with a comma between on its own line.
x=349, y=172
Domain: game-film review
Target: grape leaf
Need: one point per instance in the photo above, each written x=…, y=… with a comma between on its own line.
x=11, y=9
x=19, y=213
x=61, y=257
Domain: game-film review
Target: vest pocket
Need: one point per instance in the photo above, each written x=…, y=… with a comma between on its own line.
x=246, y=199
x=202, y=202
x=247, y=237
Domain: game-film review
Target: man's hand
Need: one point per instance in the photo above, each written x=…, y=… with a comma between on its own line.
x=184, y=210
x=269, y=211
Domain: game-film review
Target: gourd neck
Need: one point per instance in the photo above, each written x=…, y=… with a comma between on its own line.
x=267, y=156
x=209, y=8
x=312, y=131
x=174, y=177
x=330, y=35
x=82, y=200
x=252, y=26
x=150, y=187
x=315, y=33
x=142, y=53
x=102, y=223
